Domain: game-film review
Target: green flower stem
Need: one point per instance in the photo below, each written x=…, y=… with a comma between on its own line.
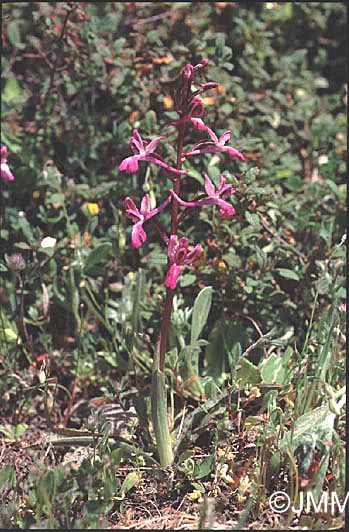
x=158, y=387
x=159, y=415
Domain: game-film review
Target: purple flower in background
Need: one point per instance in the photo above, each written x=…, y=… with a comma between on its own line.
x=139, y=216
x=216, y=145
x=144, y=152
x=179, y=256
x=215, y=197
x=5, y=169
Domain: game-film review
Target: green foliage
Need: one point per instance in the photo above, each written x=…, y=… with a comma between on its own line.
x=256, y=350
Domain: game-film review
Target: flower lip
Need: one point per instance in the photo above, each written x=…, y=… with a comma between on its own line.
x=172, y=276
x=138, y=235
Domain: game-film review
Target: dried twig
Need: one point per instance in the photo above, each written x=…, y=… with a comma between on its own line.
x=59, y=51
x=259, y=330
x=150, y=19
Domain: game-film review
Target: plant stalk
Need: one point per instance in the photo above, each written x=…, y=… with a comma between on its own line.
x=158, y=386
x=166, y=319
x=159, y=414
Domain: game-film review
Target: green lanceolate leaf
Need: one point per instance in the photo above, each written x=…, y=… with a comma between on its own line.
x=159, y=416
x=202, y=306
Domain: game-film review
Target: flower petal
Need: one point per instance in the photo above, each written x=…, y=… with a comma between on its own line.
x=198, y=124
x=183, y=243
x=151, y=147
x=224, y=190
x=145, y=205
x=3, y=153
x=182, y=251
x=48, y=242
x=132, y=210
x=209, y=187
x=226, y=209
x=137, y=140
x=130, y=164
x=172, y=276
x=138, y=236
x=172, y=248
x=192, y=255
x=212, y=135
x=223, y=139
x=232, y=152
x=6, y=172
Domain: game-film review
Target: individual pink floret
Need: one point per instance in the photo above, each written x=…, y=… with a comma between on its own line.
x=5, y=169
x=179, y=256
x=215, y=197
x=216, y=145
x=139, y=216
x=144, y=152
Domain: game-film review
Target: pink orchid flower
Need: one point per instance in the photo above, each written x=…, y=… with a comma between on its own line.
x=139, y=216
x=178, y=255
x=218, y=196
x=215, y=197
x=144, y=152
x=5, y=169
x=216, y=145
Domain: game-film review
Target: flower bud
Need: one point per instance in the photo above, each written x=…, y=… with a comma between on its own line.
x=197, y=108
x=203, y=64
x=188, y=71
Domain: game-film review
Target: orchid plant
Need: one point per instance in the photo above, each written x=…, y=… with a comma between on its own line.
x=190, y=108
